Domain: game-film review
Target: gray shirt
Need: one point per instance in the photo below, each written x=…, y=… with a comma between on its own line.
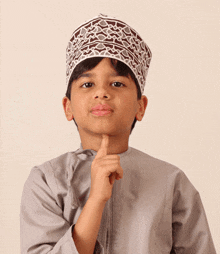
x=153, y=209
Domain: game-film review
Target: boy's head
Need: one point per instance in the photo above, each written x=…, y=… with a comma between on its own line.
x=100, y=38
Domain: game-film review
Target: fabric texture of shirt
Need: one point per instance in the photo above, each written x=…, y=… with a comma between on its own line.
x=154, y=209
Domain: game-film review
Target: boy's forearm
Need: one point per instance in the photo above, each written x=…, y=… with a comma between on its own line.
x=87, y=226
x=103, y=174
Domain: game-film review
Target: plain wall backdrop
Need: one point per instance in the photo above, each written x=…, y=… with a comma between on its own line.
x=181, y=124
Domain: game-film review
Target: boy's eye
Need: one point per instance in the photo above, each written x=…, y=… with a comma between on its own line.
x=87, y=85
x=117, y=84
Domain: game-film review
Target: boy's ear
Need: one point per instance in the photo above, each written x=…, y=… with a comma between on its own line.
x=142, y=107
x=67, y=108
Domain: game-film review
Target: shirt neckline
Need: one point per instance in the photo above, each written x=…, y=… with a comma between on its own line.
x=93, y=153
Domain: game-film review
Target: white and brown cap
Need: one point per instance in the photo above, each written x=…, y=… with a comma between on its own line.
x=104, y=36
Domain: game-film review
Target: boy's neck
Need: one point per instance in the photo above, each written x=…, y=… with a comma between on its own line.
x=117, y=143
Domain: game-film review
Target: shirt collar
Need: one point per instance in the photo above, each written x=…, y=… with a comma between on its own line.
x=91, y=152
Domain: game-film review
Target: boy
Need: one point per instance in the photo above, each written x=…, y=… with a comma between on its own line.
x=107, y=197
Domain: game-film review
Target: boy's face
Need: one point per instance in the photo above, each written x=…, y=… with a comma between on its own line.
x=103, y=102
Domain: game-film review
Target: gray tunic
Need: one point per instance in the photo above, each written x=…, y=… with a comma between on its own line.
x=153, y=209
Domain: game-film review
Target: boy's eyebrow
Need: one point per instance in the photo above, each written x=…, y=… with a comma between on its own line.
x=85, y=75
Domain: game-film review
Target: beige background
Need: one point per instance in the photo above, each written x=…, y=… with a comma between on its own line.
x=181, y=124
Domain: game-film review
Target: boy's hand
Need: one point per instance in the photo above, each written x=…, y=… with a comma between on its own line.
x=104, y=170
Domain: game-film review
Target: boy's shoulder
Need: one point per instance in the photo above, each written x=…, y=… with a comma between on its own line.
x=157, y=170
x=58, y=164
x=147, y=161
x=56, y=168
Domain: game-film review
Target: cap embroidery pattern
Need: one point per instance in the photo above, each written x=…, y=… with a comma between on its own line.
x=108, y=37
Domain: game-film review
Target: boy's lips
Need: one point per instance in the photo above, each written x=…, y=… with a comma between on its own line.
x=101, y=110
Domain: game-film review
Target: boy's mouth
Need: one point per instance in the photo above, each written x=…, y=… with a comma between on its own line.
x=101, y=110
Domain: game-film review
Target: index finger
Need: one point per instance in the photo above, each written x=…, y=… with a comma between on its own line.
x=103, y=150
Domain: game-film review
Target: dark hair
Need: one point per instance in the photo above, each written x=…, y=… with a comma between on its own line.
x=90, y=63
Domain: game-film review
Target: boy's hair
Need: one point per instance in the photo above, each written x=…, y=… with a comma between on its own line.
x=90, y=63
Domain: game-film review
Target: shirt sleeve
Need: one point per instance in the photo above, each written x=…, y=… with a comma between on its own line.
x=191, y=233
x=43, y=229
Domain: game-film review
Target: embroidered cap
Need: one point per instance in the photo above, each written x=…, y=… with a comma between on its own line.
x=105, y=36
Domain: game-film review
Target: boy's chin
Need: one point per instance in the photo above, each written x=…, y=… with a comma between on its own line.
x=107, y=131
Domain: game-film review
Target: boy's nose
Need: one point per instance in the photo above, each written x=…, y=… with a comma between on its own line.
x=102, y=93
x=101, y=97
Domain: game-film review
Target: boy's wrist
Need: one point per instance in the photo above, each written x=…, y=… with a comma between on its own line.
x=96, y=202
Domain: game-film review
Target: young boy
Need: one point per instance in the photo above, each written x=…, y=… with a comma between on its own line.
x=107, y=197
